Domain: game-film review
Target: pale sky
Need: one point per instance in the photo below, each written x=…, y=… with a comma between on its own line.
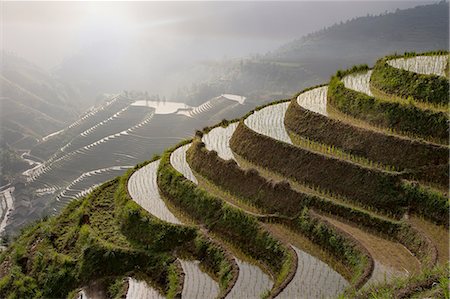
x=47, y=32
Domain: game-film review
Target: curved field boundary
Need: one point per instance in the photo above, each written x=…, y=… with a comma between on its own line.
x=419, y=77
x=143, y=188
x=54, y=146
x=120, y=121
x=232, y=224
x=431, y=204
x=404, y=234
x=140, y=289
x=224, y=172
x=422, y=64
x=47, y=166
x=7, y=206
x=79, y=191
x=400, y=117
x=313, y=279
x=403, y=153
x=391, y=258
x=271, y=154
x=197, y=284
x=415, y=286
x=243, y=183
x=246, y=284
x=250, y=283
x=256, y=190
x=362, y=185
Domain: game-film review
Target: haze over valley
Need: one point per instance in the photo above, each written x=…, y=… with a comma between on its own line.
x=224, y=149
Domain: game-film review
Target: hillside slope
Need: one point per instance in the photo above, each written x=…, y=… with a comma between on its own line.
x=315, y=196
x=34, y=103
x=311, y=59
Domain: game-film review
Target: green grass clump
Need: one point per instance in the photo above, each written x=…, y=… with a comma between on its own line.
x=231, y=224
x=54, y=257
x=434, y=282
x=424, y=88
x=396, y=116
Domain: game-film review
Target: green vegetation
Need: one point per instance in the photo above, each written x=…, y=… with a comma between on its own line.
x=433, y=283
x=58, y=255
x=336, y=242
x=106, y=237
x=396, y=116
x=231, y=224
x=424, y=88
x=390, y=150
x=292, y=206
x=364, y=186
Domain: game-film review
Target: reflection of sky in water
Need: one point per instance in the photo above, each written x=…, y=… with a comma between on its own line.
x=422, y=64
x=359, y=82
x=314, y=100
x=162, y=107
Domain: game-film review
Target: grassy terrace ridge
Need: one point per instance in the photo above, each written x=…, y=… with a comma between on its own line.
x=431, y=283
x=56, y=256
x=230, y=223
x=415, y=159
x=290, y=206
x=288, y=211
x=365, y=186
x=188, y=241
x=106, y=236
x=399, y=117
x=431, y=89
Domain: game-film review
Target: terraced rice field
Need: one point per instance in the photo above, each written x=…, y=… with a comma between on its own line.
x=313, y=279
x=329, y=247
x=314, y=100
x=427, y=65
x=178, y=161
x=197, y=284
x=218, y=139
x=84, y=184
x=252, y=281
x=143, y=189
x=438, y=234
x=140, y=289
x=6, y=206
x=122, y=131
x=269, y=121
x=359, y=82
x=391, y=258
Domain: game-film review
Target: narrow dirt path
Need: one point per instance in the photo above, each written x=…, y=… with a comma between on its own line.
x=391, y=258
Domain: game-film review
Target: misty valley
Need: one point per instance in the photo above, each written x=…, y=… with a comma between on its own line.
x=236, y=150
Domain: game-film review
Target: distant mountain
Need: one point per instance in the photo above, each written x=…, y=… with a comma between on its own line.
x=364, y=39
x=33, y=102
x=311, y=59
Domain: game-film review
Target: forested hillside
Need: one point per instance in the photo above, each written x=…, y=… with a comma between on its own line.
x=310, y=59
